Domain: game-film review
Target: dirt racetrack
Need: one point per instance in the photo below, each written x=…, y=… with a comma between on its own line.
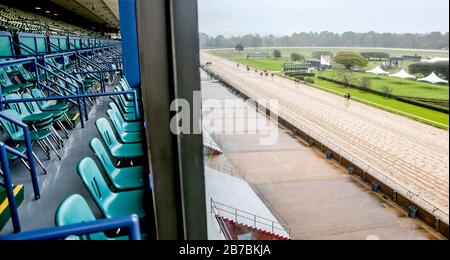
x=412, y=154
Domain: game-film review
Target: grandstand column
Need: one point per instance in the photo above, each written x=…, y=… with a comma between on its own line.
x=130, y=46
x=169, y=59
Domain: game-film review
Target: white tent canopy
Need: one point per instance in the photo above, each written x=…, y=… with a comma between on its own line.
x=433, y=78
x=403, y=75
x=378, y=71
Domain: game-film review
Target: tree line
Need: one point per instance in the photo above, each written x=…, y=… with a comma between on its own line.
x=434, y=40
x=360, y=60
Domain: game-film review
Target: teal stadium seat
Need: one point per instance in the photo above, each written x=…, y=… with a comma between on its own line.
x=6, y=49
x=121, y=178
x=26, y=75
x=58, y=116
x=116, y=149
x=111, y=204
x=128, y=105
x=17, y=134
x=37, y=120
x=127, y=126
x=52, y=107
x=7, y=86
x=45, y=106
x=125, y=137
x=75, y=210
x=128, y=113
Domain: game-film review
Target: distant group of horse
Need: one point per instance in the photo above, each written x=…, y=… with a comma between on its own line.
x=266, y=74
x=261, y=73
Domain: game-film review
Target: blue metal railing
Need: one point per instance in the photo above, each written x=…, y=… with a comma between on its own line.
x=54, y=46
x=101, y=75
x=23, y=47
x=66, y=81
x=28, y=155
x=37, y=66
x=60, y=55
x=80, y=57
x=23, y=61
x=81, y=103
x=52, y=66
x=18, y=62
x=32, y=53
x=98, y=57
x=130, y=223
x=78, y=97
x=128, y=92
x=9, y=188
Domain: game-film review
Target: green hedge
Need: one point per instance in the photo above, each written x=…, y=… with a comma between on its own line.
x=300, y=73
x=310, y=80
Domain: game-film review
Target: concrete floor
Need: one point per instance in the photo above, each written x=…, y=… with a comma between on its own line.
x=311, y=195
x=62, y=180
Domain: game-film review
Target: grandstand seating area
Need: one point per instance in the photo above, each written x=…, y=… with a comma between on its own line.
x=15, y=20
x=51, y=76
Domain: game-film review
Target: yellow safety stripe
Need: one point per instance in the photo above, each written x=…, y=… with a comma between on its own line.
x=5, y=203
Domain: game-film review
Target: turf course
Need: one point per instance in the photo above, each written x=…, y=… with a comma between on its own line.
x=404, y=88
x=429, y=114
x=263, y=64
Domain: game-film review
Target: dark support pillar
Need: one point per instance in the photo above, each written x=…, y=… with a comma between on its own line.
x=169, y=59
x=186, y=53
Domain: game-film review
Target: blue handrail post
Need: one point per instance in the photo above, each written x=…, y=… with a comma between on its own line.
x=135, y=233
x=86, y=114
x=9, y=189
x=136, y=105
x=80, y=110
x=34, y=178
x=38, y=77
x=46, y=75
x=102, y=84
x=1, y=100
x=77, y=61
x=29, y=152
x=64, y=64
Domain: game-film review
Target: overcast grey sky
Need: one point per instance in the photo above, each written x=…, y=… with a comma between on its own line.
x=284, y=17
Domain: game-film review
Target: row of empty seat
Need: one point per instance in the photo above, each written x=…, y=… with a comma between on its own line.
x=115, y=184
x=16, y=45
x=17, y=20
x=50, y=83
x=45, y=117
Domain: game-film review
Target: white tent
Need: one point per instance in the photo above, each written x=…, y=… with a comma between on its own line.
x=378, y=71
x=403, y=75
x=433, y=78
